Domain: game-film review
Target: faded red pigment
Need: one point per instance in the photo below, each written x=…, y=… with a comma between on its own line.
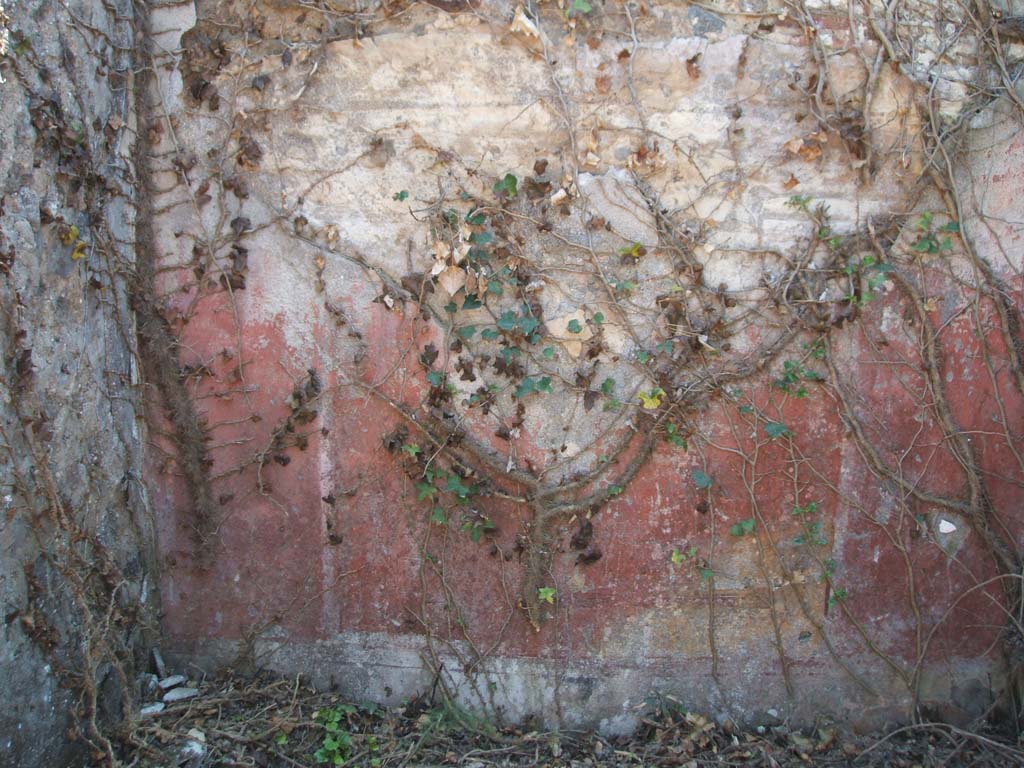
x=330, y=539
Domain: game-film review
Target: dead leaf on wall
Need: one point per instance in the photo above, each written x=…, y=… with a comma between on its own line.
x=524, y=24
x=452, y=279
x=794, y=145
x=807, y=147
x=693, y=66
x=810, y=152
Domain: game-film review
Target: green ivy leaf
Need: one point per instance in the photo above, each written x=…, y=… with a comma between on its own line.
x=494, y=286
x=599, y=318
x=507, y=321
x=546, y=595
x=574, y=326
x=475, y=218
x=528, y=324
x=607, y=386
x=673, y=436
x=526, y=386
x=436, y=378
x=490, y=334
x=508, y=186
x=702, y=479
x=400, y=196
x=548, y=352
x=467, y=331
x=678, y=558
x=743, y=527
x=776, y=430
x=438, y=516
x=456, y=486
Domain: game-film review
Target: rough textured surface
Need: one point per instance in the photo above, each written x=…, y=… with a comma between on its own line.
x=303, y=163
x=70, y=444
x=306, y=162
x=544, y=357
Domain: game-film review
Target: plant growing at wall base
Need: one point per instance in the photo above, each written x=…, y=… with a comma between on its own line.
x=336, y=746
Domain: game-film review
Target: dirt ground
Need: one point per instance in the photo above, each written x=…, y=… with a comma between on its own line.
x=280, y=722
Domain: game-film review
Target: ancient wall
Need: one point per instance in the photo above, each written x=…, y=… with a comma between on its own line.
x=75, y=565
x=549, y=356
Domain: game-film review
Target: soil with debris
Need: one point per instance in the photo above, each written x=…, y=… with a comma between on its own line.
x=279, y=722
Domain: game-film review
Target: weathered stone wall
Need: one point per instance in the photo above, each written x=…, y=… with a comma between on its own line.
x=76, y=567
x=552, y=356
x=544, y=357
